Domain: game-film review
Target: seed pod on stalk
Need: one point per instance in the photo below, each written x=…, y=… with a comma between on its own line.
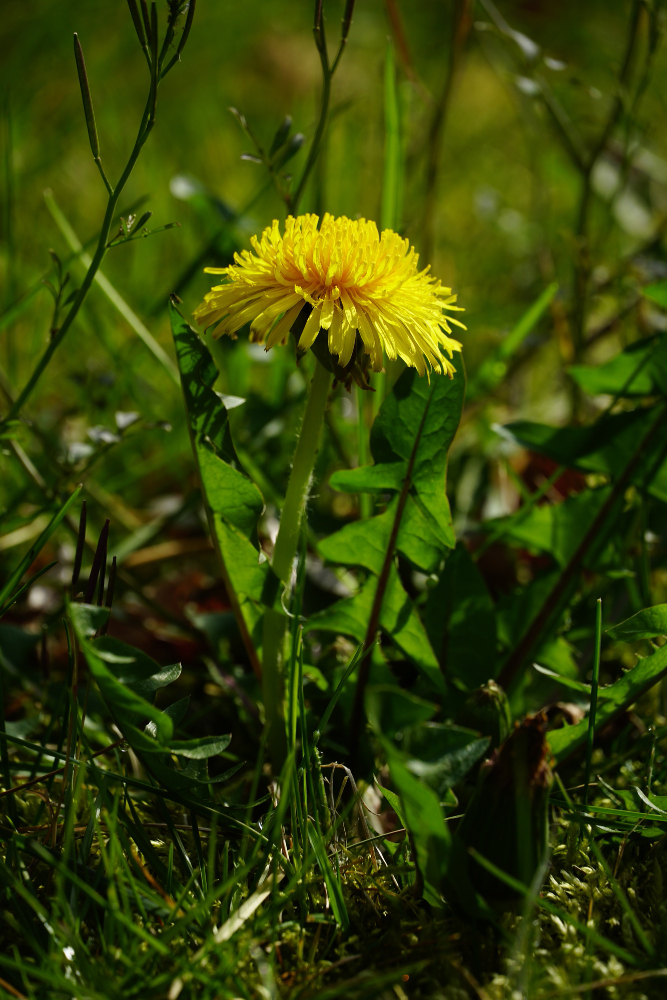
x=87, y=99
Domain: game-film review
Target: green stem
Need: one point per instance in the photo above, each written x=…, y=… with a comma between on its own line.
x=283, y=559
x=302, y=468
x=594, y=698
x=145, y=128
x=293, y=200
x=365, y=499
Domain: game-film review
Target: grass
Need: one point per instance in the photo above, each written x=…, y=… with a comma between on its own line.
x=418, y=830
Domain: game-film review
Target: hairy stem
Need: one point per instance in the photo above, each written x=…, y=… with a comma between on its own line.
x=302, y=468
x=283, y=559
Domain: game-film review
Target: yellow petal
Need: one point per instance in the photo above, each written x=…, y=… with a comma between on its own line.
x=310, y=330
x=282, y=327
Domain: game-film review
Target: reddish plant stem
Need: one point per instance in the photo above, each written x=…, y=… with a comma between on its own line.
x=383, y=580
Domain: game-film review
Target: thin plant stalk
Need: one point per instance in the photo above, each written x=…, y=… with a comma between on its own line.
x=368, y=404
x=109, y=290
x=302, y=469
x=328, y=71
x=55, y=342
x=594, y=697
x=114, y=193
x=392, y=187
x=283, y=558
x=365, y=499
x=460, y=30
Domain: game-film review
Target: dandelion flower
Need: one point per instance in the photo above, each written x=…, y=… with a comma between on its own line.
x=364, y=289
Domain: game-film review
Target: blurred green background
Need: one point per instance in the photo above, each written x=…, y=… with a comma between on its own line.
x=502, y=222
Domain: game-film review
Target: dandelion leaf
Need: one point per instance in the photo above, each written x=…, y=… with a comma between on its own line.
x=618, y=696
x=555, y=529
x=234, y=503
x=605, y=447
x=647, y=624
x=415, y=409
x=636, y=371
x=398, y=619
x=460, y=621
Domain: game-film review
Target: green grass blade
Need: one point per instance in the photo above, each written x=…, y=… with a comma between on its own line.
x=333, y=883
x=27, y=561
x=594, y=697
x=545, y=904
x=26, y=586
x=623, y=900
x=494, y=369
x=337, y=693
x=114, y=297
x=618, y=696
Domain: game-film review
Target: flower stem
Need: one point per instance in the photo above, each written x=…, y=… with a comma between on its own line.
x=365, y=499
x=283, y=559
x=302, y=468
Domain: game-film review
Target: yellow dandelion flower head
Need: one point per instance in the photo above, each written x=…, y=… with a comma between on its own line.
x=351, y=281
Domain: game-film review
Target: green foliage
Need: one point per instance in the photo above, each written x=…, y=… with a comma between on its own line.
x=398, y=618
x=422, y=815
x=646, y=624
x=422, y=414
x=233, y=502
x=604, y=447
x=617, y=696
x=461, y=623
x=416, y=424
x=494, y=369
x=657, y=293
x=121, y=674
x=555, y=530
x=7, y=591
x=639, y=370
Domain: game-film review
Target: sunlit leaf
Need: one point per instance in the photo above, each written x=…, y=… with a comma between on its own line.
x=646, y=624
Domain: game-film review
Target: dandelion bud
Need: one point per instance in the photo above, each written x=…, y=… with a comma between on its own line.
x=142, y=221
x=507, y=818
x=290, y=149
